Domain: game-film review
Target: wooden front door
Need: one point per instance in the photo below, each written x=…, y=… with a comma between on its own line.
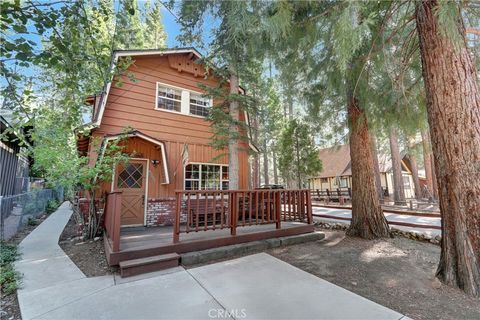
x=130, y=178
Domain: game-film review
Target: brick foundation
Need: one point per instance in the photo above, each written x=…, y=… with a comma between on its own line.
x=161, y=212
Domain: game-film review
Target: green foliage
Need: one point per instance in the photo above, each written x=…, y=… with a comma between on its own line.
x=52, y=206
x=32, y=221
x=9, y=278
x=449, y=19
x=69, y=46
x=298, y=156
x=155, y=35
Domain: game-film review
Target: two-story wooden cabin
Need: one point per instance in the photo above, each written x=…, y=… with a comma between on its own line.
x=169, y=148
x=171, y=159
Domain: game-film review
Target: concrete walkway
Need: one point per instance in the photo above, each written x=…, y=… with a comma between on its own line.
x=253, y=287
x=347, y=213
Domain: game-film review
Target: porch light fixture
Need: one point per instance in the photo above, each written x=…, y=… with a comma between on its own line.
x=155, y=162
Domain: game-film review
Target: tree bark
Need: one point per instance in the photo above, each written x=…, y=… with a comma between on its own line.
x=297, y=157
x=416, y=179
x=398, y=187
x=414, y=166
x=256, y=159
x=376, y=167
x=234, y=132
x=453, y=106
x=275, y=168
x=427, y=161
x=266, y=179
x=368, y=220
x=290, y=107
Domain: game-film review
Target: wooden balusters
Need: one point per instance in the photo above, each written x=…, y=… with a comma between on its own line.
x=212, y=209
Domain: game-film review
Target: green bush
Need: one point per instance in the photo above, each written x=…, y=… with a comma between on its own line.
x=9, y=278
x=32, y=221
x=52, y=205
x=8, y=253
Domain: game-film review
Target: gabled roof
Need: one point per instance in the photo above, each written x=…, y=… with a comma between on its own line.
x=99, y=111
x=97, y=118
x=336, y=162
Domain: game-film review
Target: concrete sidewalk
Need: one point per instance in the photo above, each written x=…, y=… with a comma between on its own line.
x=252, y=287
x=347, y=213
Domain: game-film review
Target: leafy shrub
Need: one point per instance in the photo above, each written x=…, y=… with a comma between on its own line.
x=8, y=253
x=52, y=205
x=9, y=278
x=32, y=221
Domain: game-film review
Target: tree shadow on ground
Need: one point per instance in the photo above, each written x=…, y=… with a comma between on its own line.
x=398, y=273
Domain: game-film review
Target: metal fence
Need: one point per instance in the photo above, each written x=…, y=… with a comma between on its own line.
x=18, y=211
x=28, y=184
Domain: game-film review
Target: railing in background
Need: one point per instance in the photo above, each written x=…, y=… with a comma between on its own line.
x=112, y=219
x=17, y=210
x=338, y=195
x=203, y=210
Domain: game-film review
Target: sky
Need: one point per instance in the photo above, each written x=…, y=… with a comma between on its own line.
x=171, y=27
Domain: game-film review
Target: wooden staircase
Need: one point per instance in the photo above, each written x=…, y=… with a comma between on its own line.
x=134, y=267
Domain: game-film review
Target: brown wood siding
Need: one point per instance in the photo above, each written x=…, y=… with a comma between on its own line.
x=133, y=105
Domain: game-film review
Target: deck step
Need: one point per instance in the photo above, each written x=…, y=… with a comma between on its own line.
x=149, y=264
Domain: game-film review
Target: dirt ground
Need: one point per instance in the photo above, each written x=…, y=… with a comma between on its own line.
x=9, y=309
x=89, y=256
x=397, y=273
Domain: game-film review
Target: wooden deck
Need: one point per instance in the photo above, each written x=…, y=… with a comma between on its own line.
x=147, y=241
x=205, y=219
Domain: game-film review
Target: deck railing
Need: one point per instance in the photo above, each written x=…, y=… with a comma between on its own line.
x=339, y=194
x=203, y=210
x=112, y=219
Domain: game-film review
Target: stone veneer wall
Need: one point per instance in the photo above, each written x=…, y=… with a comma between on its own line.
x=161, y=212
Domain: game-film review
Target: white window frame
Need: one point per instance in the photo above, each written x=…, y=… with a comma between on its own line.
x=200, y=164
x=210, y=102
x=159, y=84
x=184, y=101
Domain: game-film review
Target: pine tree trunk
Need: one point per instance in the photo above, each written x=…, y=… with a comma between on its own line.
x=398, y=188
x=414, y=166
x=416, y=179
x=275, y=168
x=256, y=158
x=368, y=220
x=266, y=179
x=290, y=107
x=376, y=167
x=453, y=106
x=297, y=159
x=434, y=177
x=427, y=161
x=233, y=141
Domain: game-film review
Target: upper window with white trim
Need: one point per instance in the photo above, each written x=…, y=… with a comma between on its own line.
x=169, y=98
x=199, y=105
x=181, y=100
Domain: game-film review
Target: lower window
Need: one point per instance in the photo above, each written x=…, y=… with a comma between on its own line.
x=206, y=177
